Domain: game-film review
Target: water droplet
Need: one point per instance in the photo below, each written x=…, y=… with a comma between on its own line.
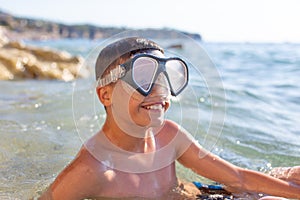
x=37, y=105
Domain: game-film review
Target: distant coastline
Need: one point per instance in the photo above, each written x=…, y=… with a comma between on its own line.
x=18, y=60
x=20, y=28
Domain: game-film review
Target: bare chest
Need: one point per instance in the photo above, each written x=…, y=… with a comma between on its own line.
x=151, y=184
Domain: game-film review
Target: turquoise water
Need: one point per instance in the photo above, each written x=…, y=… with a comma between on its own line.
x=43, y=123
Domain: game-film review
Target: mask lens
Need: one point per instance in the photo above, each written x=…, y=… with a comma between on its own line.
x=144, y=70
x=177, y=73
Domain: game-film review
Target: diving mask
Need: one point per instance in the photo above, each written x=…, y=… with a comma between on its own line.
x=142, y=71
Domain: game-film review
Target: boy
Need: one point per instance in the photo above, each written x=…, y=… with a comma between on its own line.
x=133, y=155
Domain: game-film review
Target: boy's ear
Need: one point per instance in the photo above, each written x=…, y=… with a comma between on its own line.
x=104, y=95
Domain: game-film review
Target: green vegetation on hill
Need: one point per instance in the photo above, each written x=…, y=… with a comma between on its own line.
x=27, y=28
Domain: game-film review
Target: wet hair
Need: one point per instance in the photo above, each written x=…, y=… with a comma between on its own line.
x=118, y=52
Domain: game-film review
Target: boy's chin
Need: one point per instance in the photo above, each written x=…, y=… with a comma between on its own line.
x=156, y=122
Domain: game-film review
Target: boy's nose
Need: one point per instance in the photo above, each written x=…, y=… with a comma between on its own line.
x=161, y=87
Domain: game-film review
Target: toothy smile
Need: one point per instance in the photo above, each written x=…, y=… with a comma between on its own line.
x=156, y=106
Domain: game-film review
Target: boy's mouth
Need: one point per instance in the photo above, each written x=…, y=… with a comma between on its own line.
x=155, y=106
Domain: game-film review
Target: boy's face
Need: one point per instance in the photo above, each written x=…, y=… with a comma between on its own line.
x=129, y=106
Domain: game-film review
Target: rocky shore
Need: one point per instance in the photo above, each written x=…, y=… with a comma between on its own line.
x=20, y=61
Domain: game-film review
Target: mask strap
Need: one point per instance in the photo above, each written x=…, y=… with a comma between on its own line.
x=112, y=77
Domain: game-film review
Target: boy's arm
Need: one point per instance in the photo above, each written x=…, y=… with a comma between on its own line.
x=74, y=182
x=290, y=174
x=211, y=166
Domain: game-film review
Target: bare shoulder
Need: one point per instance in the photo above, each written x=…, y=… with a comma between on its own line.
x=175, y=128
x=87, y=165
x=167, y=132
x=77, y=179
x=171, y=124
x=176, y=135
x=171, y=127
x=84, y=161
x=86, y=158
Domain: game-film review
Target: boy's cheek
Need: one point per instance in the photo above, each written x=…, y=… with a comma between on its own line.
x=131, y=92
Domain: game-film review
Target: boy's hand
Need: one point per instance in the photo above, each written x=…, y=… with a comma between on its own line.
x=290, y=174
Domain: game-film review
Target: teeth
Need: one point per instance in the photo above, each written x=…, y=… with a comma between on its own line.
x=154, y=107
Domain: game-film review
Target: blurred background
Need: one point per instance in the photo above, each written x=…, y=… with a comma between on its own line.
x=45, y=45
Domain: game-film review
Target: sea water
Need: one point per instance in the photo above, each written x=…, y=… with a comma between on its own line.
x=44, y=123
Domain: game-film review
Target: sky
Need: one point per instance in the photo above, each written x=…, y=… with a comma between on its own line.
x=214, y=20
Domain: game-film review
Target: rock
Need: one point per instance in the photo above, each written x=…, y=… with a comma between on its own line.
x=3, y=38
x=19, y=61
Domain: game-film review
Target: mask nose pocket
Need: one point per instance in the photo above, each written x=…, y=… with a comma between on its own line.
x=161, y=86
